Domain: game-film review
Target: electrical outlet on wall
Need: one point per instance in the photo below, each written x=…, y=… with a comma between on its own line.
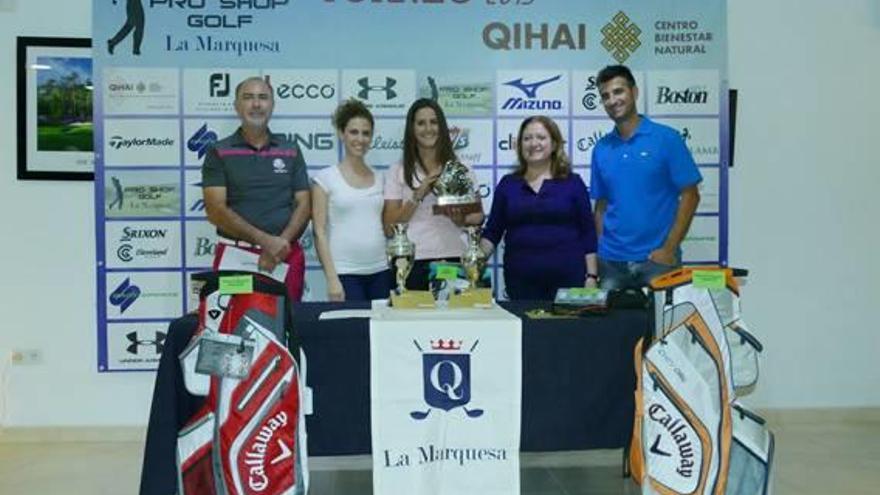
x=26, y=357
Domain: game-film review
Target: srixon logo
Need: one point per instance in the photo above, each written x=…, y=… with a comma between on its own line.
x=680, y=432
x=693, y=96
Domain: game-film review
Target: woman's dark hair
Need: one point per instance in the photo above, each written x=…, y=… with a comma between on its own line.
x=348, y=110
x=559, y=165
x=410, y=147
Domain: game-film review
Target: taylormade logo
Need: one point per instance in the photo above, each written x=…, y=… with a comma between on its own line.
x=119, y=142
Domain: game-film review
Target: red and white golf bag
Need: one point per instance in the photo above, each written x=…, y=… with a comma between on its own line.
x=249, y=437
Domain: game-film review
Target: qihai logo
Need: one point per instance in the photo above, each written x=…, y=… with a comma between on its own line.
x=446, y=373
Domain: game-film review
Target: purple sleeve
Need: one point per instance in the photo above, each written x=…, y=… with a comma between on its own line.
x=585, y=214
x=497, y=223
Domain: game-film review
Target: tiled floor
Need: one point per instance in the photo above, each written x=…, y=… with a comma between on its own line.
x=824, y=452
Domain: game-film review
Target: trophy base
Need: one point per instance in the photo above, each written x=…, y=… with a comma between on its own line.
x=412, y=299
x=471, y=298
x=464, y=208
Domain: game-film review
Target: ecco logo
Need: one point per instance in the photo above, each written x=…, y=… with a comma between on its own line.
x=303, y=91
x=530, y=90
x=201, y=140
x=690, y=96
x=125, y=295
x=218, y=84
x=367, y=88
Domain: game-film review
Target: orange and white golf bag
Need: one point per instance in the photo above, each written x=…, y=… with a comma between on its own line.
x=691, y=434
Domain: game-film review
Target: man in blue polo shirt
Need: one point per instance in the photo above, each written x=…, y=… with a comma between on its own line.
x=256, y=188
x=644, y=181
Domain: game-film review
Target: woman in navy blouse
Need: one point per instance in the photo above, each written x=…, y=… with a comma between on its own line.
x=542, y=210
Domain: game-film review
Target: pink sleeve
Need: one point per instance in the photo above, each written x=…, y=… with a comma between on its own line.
x=393, y=183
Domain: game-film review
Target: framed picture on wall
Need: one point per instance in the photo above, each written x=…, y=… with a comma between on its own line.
x=55, y=136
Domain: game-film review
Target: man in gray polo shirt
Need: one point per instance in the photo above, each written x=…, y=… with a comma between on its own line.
x=256, y=189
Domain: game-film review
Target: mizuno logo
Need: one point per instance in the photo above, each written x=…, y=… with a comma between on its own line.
x=530, y=89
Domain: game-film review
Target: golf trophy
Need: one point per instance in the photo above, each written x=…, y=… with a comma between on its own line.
x=455, y=190
x=401, y=253
x=473, y=260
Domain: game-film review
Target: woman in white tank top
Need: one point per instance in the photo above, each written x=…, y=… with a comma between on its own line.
x=347, y=214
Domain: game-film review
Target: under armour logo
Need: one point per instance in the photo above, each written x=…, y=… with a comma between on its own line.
x=158, y=342
x=530, y=89
x=366, y=88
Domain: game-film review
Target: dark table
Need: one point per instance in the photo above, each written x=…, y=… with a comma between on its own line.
x=578, y=383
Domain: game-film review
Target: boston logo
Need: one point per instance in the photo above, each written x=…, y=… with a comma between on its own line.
x=531, y=100
x=446, y=373
x=200, y=140
x=690, y=96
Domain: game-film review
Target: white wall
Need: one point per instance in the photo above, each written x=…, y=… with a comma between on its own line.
x=801, y=220
x=48, y=278
x=802, y=203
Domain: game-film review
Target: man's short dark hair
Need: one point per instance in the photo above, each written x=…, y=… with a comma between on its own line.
x=612, y=71
x=251, y=79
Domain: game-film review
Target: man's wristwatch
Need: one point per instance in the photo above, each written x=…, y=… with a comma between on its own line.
x=592, y=276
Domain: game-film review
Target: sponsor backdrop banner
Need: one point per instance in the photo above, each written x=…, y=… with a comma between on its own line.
x=164, y=79
x=445, y=403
